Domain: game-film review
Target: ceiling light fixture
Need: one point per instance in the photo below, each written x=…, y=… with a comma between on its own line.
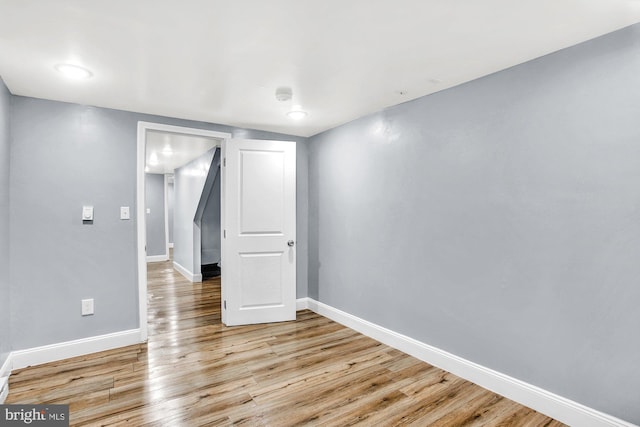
x=167, y=151
x=73, y=71
x=284, y=94
x=153, y=159
x=297, y=114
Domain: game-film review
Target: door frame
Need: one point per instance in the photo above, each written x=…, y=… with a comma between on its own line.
x=166, y=215
x=141, y=224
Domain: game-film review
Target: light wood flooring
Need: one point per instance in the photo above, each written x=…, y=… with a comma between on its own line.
x=194, y=371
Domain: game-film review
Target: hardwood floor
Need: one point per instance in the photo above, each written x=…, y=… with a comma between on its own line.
x=194, y=371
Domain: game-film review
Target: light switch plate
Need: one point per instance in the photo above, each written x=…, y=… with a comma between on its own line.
x=87, y=213
x=124, y=212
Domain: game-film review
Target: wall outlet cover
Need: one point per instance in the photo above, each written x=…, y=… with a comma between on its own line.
x=87, y=307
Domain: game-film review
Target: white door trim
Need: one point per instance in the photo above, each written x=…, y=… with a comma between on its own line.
x=166, y=215
x=141, y=223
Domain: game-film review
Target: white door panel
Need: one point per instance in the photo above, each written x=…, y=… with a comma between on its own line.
x=262, y=192
x=258, y=263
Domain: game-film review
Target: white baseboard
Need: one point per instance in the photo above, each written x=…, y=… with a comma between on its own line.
x=53, y=352
x=64, y=350
x=5, y=371
x=157, y=258
x=4, y=389
x=186, y=273
x=6, y=367
x=550, y=404
x=302, y=304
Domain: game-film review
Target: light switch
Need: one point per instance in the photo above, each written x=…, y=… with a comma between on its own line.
x=148, y=211
x=87, y=213
x=124, y=212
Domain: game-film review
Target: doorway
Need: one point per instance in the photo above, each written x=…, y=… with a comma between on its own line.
x=154, y=142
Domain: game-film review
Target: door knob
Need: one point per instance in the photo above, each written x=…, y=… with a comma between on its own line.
x=290, y=243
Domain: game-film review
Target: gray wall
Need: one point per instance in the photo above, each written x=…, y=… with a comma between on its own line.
x=154, y=201
x=5, y=297
x=63, y=156
x=188, y=185
x=498, y=220
x=170, y=204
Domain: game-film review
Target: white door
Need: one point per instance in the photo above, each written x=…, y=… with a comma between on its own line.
x=259, y=231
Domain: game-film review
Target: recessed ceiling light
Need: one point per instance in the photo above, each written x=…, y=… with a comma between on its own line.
x=297, y=114
x=73, y=71
x=167, y=151
x=153, y=159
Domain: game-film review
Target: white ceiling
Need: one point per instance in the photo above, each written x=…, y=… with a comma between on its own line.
x=221, y=61
x=172, y=150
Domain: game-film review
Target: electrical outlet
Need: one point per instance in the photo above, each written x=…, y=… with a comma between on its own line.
x=87, y=307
